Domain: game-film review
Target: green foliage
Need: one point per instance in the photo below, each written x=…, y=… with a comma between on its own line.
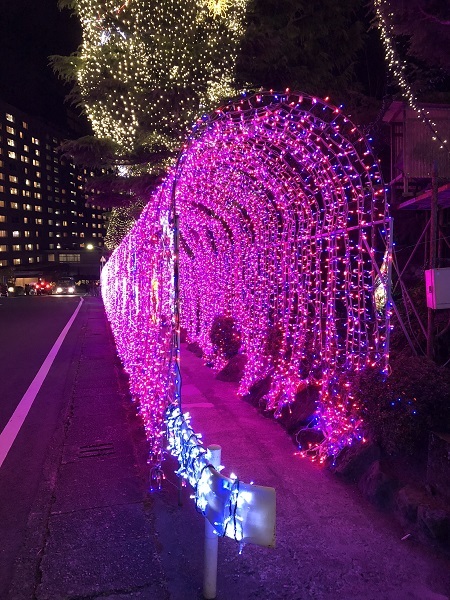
x=401, y=410
x=301, y=45
x=274, y=342
x=91, y=151
x=225, y=336
x=425, y=27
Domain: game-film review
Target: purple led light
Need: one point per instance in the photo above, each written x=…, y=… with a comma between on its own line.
x=284, y=227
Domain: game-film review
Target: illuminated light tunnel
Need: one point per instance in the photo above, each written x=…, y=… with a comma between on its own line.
x=284, y=237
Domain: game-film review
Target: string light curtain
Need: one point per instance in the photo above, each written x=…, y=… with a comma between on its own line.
x=283, y=227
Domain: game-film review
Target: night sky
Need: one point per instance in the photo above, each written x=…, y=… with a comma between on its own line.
x=30, y=31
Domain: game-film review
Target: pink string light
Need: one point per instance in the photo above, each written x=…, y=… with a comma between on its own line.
x=284, y=227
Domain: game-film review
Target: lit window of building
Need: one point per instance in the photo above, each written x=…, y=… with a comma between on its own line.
x=35, y=141
x=11, y=142
x=27, y=207
x=3, y=247
x=26, y=233
x=11, y=154
x=24, y=125
x=16, y=247
x=38, y=208
x=14, y=205
x=16, y=261
x=36, y=162
x=2, y=188
x=10, y=117
x=24, y=159
x=14, y=191
x=13, y=179
x=31, y=259
x=29, y=246
x=10, y=130
x=16, y=233
x=26, y=193
x=38, y=195
x=26, y=148
x=2, y=219
x=39, y=221
x=69, y=258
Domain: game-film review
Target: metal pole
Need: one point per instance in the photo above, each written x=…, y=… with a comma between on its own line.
x=433, y=240
x=211, y=540
x=389, y=288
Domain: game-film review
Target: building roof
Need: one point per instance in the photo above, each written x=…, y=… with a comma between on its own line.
x=423, y=201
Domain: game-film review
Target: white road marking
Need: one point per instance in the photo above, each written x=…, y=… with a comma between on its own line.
x=12, y=428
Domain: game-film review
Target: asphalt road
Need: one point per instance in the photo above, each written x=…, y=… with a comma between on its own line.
x=29, y=326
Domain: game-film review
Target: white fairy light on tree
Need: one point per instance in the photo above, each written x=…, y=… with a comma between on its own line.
x=145, y=72
x=398, y=69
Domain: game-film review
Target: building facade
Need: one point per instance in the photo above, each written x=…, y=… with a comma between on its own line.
x=46, y=223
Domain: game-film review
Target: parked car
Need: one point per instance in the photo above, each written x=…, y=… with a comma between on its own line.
x=43, y=288
x=65, y=286
x=3, y=289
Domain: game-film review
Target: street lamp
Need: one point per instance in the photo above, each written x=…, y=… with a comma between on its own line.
x=90, y=247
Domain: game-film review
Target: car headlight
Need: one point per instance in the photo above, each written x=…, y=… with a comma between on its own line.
x=58, y=290
x=71, y=290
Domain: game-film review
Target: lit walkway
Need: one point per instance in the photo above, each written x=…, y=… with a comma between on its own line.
x=331, y=544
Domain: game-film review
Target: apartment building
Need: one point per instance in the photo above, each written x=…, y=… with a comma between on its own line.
x=45, y=220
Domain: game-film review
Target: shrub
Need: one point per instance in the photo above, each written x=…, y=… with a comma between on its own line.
x=401, y=410
x=225, y=336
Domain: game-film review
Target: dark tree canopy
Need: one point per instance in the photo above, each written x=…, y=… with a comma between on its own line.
x=426, y=27
x=304, y=45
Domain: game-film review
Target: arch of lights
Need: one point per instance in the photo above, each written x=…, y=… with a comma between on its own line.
x=279, y=211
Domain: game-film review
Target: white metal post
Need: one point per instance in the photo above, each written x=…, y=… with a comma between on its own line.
x=211, y=540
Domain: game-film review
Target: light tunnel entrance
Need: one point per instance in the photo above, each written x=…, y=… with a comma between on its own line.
x=283, y=238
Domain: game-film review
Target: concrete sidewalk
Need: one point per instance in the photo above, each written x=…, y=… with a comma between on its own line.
x=96, y=532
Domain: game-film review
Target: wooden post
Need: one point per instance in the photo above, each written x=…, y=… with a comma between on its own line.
x=433, y=247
